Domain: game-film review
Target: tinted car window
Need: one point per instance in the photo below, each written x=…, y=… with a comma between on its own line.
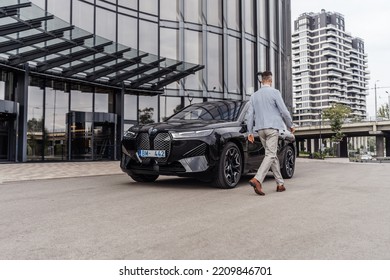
x=227, y=111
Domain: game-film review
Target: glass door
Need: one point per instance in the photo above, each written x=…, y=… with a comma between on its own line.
x=4, y=139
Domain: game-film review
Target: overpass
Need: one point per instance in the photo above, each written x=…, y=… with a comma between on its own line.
x=379, y=129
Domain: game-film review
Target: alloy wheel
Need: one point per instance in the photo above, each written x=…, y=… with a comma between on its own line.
x=232, y=166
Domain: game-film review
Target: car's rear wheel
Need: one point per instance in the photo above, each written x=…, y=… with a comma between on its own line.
x=229, y=167
x=288, y=163
x=143, y=177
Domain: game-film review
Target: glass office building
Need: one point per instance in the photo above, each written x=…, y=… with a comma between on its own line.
x=74, y=74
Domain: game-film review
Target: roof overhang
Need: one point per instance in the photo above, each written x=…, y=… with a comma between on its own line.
x=46, y=45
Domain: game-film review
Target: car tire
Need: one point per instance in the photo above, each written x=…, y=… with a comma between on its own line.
x=144, y=178
x=229, y=168
x=288, y=163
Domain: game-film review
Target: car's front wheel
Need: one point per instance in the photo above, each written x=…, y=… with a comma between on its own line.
x=288, y=163
x=229, y=167
x=143, y=177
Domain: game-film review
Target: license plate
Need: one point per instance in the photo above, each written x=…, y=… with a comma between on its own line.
x=152, y=153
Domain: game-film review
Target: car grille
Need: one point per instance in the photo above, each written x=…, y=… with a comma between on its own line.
x=143, y=141
x=162, y=141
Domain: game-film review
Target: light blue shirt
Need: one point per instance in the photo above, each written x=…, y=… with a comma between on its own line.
x=267, y=109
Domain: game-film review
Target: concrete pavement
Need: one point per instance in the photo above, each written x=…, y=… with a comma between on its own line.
x=331, y=210
x=52, y=170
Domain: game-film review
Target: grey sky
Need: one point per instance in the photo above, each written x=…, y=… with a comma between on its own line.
x=366, y=20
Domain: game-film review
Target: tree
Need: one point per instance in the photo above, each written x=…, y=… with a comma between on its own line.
x=336, y=115
x=383, y=111
x=146, y=115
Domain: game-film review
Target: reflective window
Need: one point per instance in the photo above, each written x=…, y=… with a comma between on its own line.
x=169, y=106
x=101, y=102
x=263, y=18
x=130, y=107
x=104, y=100
x=233, y=17
x=234, y=73
x=132, y=4
x=59, y=8
x=192, y=10
x=81, y=140
x=2, y=90
x=127, y=31
x=81, y=98
x=191, y=100
x=148, y=109
x=249, y=67
x=214, y=12
x=35, y=136
x=214, y=62
x=262, y=58
x=169, y=43
x=40, y=3
x=106, y=24
x=148, y=6
x=148, y=42
x=83, y=16
x=273, y=17
x=249, y=24
x=169, y=47
x=56, y=108
x=193, y=54
x=169, y=9
x=7, y=90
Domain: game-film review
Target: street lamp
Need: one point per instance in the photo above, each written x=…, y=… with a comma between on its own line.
x=190, y=97
x=376, y=101
x=388, y=104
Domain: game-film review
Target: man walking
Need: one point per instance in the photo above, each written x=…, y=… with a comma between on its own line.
x=269, y=112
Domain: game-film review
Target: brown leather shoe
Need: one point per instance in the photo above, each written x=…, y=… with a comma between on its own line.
x=280, y=188
x=256, y=186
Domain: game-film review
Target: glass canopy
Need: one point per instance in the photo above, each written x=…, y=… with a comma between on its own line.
x=49, y=45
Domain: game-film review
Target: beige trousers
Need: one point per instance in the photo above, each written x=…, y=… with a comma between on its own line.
x=269, y=138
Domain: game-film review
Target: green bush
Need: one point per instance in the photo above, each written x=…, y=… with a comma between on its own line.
x=317, y=155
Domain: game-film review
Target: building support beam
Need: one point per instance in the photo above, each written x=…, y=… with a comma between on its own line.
x=380, y=146
x=344, y=147
x=22, y=98
x=387, y=139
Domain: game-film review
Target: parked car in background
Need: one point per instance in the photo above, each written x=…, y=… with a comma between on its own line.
x=206, y=141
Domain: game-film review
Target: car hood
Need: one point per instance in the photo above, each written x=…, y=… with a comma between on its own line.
x=183, y=125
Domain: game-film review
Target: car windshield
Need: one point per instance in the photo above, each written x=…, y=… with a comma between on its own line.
x=221, y=110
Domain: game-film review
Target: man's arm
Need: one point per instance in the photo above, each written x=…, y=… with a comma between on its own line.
x=284, y=112
x=249, y=124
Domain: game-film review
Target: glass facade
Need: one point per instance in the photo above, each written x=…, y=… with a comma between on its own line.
x=234, y=40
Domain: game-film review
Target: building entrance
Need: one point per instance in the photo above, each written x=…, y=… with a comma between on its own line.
x=8, y=115
x=91, y=136
x=6, y=123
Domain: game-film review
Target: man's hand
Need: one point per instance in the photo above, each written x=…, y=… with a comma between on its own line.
x=292, y=129
x=251, y=138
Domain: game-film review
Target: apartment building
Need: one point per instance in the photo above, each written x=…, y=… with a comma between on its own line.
x=329, y=67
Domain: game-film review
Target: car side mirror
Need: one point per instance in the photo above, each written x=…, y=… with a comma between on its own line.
x=244, y=128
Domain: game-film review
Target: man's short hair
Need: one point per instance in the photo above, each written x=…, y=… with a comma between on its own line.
x=265, y=75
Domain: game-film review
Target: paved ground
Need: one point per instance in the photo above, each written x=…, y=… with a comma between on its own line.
x=48, y=170
x=35, y=171
x=331, y=210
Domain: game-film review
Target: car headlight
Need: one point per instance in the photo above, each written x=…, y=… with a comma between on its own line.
x=130, y=134
x=191, y=134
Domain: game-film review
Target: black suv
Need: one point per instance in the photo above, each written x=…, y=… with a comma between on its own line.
x=207, y=141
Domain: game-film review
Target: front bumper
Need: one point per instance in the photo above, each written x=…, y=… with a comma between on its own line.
x=184, y=158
